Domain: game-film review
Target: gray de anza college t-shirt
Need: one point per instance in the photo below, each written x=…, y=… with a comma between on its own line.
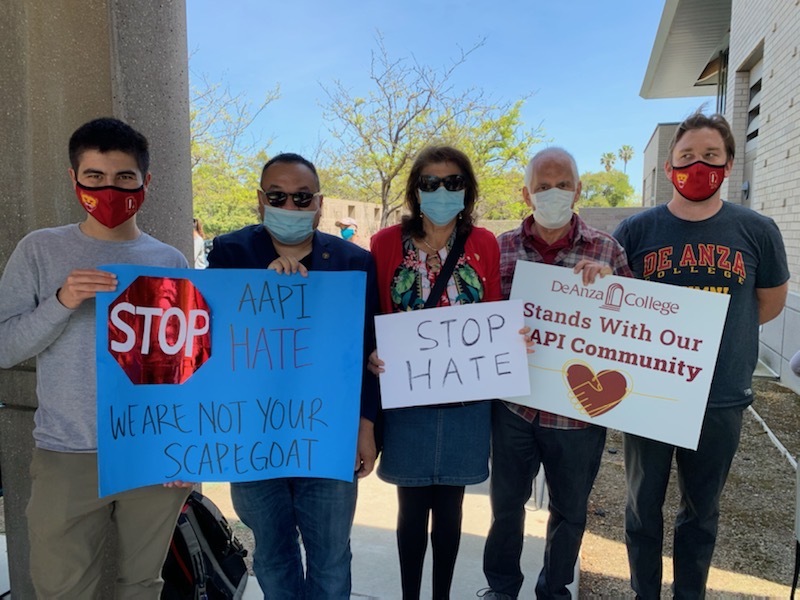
x=734, y=252
x=34, y=323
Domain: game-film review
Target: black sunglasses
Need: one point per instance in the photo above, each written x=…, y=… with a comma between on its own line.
x=431, y=183
x=300, y=199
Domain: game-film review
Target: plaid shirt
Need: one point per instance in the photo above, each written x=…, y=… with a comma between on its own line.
x=585, y=243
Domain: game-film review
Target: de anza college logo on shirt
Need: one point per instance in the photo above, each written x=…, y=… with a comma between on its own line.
x=721, y=262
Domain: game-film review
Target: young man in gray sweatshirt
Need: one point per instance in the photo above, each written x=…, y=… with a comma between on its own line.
x=47, y=311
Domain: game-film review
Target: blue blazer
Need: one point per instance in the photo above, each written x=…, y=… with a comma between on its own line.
x=252, y=248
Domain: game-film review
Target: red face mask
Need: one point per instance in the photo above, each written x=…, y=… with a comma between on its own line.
x=110, y=205
x=698, y=181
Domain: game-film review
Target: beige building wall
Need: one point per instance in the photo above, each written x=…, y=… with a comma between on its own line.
x=604, y=219
x=769, y=31
x=366, y=214
x=607, y=219
x=656, y=188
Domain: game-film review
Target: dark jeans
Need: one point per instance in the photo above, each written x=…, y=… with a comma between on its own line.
x=571, y=459
x=701, y=478
x=321, y=511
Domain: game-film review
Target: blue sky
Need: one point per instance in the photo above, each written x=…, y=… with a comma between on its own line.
x=581, y=61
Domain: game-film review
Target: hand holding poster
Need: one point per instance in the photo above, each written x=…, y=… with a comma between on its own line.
x=227, y=375
x=452, y=354
x=623, y=353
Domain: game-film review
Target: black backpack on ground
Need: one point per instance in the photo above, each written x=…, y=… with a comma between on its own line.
x=205, y=560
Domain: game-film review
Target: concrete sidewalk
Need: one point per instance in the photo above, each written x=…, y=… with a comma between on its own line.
x=376, y=572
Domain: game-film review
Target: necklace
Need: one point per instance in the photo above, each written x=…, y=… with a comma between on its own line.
x=431, y=248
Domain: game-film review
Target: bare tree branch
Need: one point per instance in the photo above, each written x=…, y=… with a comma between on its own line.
x=410, y=105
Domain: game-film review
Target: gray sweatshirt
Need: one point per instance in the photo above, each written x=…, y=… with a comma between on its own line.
x=34, y=323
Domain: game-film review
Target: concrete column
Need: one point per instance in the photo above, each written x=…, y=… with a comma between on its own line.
x=150, y=91
x=62, y=63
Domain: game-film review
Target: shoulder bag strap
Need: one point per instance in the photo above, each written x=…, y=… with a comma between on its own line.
x=447, y=270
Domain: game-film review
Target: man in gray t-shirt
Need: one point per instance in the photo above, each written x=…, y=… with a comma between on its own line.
x=47, y=302
x=697, y=240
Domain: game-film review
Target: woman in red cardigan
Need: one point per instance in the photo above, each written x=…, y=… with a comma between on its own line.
x=432, y=452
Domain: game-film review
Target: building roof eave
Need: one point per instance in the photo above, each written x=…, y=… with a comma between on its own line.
x=690, y=34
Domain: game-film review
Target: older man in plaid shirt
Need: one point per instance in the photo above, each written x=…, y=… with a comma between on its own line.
x=524, y=438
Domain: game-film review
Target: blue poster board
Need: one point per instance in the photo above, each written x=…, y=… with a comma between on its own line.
x=248, y=375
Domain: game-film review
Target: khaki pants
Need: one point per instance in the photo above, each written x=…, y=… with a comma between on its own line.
x=68, y=526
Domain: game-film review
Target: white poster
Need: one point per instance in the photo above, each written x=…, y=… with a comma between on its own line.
x=452, y=354
x=623, y=353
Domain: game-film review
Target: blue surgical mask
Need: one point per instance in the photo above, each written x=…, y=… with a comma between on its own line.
x=441, y=206
x=347, y=233
x=289, y=227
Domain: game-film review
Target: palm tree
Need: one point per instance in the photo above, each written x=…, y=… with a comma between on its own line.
x=625, y=154
x=607, y=160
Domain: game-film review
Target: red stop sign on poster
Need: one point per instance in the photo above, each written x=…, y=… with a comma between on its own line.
x=159, y=330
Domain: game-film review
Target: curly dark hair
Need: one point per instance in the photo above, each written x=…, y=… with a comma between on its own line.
x=412, y=223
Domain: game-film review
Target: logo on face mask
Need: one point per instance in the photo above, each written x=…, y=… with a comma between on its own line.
x=109, y=205
x=89, y=202
x=698, y=181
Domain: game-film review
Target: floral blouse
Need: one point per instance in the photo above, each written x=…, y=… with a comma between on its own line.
x=416, y=275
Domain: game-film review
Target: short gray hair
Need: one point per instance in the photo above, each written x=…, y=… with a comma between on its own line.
x=553, y=151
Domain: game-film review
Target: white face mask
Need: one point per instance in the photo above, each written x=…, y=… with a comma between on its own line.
x=553, y=207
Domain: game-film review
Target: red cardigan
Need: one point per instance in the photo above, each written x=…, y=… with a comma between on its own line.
x=481, y=252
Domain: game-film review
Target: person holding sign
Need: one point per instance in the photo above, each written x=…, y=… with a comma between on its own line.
x=320, y=510
x=523, y=438
x=435, y=257
x=700, y=241
x=47, y=310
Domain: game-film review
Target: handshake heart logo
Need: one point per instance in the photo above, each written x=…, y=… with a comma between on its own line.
x=594, y=394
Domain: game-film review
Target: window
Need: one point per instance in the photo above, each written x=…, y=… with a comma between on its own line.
x=754, y=108
x=722, y=82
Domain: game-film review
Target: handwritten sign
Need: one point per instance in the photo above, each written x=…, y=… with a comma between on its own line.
x=452, y=354
x=248, y=375
x=623, y=353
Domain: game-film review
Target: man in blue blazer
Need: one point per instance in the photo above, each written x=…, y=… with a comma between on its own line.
x=320, y=510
